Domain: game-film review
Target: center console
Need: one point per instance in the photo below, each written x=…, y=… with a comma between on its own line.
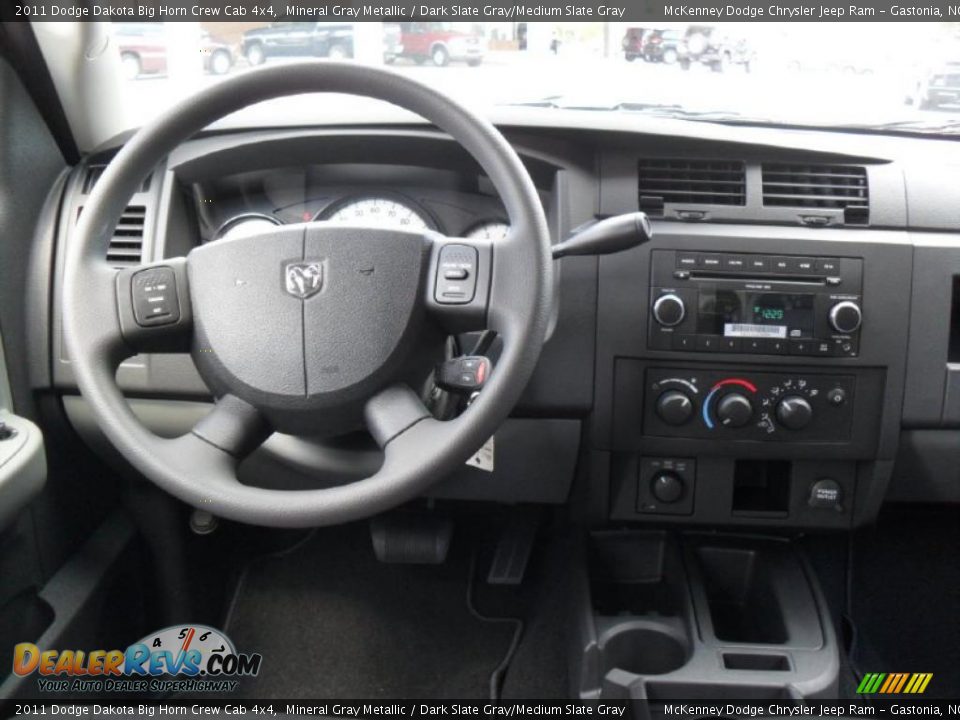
x=750, y=375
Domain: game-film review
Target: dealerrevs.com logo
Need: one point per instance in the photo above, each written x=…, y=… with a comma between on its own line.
x=184, y=658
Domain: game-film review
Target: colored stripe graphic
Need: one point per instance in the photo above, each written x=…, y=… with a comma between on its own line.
x=894, y=683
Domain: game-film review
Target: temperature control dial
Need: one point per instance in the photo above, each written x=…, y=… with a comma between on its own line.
x=734, y=410
x=669, y=310
x=794, y=412
x=845, y=317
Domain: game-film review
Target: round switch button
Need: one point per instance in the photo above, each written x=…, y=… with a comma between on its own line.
x=667, y=487
x=794, y=412
x=734, y=410
x=674, y=407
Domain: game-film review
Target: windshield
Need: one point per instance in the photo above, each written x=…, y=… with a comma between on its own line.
x=903, y=76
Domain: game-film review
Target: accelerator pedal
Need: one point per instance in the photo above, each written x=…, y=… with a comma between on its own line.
x=514, y=547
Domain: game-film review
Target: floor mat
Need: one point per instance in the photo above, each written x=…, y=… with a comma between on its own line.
x=332, y=622
x=906, y=597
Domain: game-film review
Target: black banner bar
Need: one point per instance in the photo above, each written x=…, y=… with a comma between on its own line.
x=479, y=11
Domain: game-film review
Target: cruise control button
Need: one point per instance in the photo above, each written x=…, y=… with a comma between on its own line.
x=155, y=300
x=456, y=281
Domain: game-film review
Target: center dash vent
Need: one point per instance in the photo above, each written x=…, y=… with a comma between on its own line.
x=697, y=182
x=841, y=187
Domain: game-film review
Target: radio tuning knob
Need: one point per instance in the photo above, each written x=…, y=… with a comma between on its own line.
x=794, y=412
x=669, y=310
x=674, y=407
x=734, y=410
x=845, y=317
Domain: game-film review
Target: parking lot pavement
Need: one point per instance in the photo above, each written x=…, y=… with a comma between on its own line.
x=794, y=97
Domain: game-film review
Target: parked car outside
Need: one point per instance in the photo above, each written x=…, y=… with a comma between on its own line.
x=143, y=50
x=442, y=43
x=298, y=39
x=938, y=85
x=662, y=46
x=713, y=47
x=632, y=43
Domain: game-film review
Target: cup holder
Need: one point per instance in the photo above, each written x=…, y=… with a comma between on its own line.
x=644, y=648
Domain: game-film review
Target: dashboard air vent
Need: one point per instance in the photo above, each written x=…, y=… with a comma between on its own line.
x=842, y=187
x=126, y=245
x=699, y=182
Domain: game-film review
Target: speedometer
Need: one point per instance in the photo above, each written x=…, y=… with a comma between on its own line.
x=378, y=212
x=489, y=231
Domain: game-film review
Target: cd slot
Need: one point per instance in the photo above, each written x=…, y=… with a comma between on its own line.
x=759, y=277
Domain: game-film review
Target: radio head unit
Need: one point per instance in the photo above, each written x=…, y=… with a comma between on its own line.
x=755, y=304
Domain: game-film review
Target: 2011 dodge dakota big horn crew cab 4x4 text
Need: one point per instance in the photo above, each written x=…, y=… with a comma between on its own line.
x=576, y=377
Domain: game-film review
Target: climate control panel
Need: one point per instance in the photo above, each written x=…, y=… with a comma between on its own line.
x=752, y=406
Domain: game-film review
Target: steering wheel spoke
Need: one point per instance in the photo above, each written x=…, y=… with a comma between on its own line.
x=153, y=304
x=233, y=426
x=392, y=412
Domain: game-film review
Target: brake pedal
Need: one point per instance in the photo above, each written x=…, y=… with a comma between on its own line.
x=411, y=539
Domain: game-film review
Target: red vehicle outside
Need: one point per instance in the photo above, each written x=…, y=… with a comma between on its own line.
x=441, y=43
x=143, y=50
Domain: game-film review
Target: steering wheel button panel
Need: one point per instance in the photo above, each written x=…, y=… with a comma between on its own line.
x=155, y=300
x=456, y=275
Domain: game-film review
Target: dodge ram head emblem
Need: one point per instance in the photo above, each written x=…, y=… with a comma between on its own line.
x=303, y=279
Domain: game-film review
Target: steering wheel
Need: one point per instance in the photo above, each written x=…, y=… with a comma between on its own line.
x=311, y=326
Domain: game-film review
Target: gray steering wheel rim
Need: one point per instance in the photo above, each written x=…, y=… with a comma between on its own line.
x=203, y=476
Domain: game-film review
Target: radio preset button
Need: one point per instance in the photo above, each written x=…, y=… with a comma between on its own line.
x=669, y=310
x=708, y=343
x=801, y=347
x=770, y=346
x=730, y=344
x=684, y=342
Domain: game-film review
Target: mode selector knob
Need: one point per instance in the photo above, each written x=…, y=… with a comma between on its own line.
x=734, y=410
x=667, y=487
x=674, y=407
x=669, y=310
x=794, y=412
x=845, y=317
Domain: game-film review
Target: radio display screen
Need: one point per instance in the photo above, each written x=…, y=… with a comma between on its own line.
x=733, y=313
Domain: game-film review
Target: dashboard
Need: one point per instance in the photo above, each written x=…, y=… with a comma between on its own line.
x=784, y=353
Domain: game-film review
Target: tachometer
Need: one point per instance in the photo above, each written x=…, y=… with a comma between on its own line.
x=379, y=212
x=245, y=225
x=489, y=231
